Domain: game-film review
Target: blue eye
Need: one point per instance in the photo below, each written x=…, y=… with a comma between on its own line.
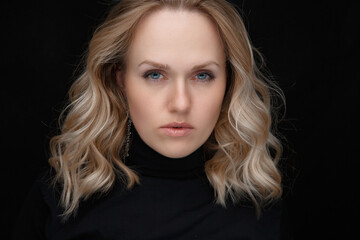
x=153, y=75
x=204, y=76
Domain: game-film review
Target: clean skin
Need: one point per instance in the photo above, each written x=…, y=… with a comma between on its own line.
x=175, y=72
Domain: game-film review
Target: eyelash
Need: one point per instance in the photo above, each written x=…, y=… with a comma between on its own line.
x=209, y=74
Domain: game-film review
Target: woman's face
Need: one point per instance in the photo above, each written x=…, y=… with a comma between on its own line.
x=175, y=75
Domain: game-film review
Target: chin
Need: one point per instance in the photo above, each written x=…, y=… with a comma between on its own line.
x=180, y=153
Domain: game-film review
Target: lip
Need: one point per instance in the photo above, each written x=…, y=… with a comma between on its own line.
x=177, y=124
x=176, y=129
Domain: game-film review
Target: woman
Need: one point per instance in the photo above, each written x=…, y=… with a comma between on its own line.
x=168, y=133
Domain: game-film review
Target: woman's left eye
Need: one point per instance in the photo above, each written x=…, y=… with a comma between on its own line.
x=204, y=76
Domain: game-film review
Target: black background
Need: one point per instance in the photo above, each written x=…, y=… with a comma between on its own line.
x=311, y=49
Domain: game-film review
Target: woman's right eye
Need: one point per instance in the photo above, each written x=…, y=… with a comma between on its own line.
x=153, y=75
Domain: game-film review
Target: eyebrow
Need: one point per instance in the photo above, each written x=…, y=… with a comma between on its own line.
x=167, y=67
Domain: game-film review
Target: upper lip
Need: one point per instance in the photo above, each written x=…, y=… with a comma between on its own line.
x=177, y=124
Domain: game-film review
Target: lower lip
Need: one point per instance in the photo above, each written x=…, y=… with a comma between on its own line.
x=177, y=132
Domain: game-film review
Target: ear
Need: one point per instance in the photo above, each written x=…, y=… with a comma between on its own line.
x=120, y=79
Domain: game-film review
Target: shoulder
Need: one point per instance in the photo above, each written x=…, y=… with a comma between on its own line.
x=43, y=188
x=36, y=208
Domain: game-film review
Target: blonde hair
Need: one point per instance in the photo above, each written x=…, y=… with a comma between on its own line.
x=87, y=153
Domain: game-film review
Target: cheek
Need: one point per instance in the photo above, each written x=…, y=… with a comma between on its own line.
x=142, y=104
x=210, y=111
x=210, y=105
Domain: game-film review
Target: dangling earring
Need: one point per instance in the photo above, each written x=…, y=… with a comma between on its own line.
x=127, y=139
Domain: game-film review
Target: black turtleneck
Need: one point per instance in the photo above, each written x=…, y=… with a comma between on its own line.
x=174, y=200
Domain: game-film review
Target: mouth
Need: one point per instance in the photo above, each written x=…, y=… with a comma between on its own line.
x=177, y=129
x=178, y=125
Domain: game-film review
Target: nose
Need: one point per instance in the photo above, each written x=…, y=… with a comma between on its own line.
x=179, y=98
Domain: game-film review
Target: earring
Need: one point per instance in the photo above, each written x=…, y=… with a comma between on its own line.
x=127, y=139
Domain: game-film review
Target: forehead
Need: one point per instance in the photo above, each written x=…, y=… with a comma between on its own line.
x=169, y=34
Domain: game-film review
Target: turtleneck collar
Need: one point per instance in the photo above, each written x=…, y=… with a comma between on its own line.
x=146, y=161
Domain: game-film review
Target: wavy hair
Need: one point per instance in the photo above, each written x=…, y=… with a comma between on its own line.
x=245, y=152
